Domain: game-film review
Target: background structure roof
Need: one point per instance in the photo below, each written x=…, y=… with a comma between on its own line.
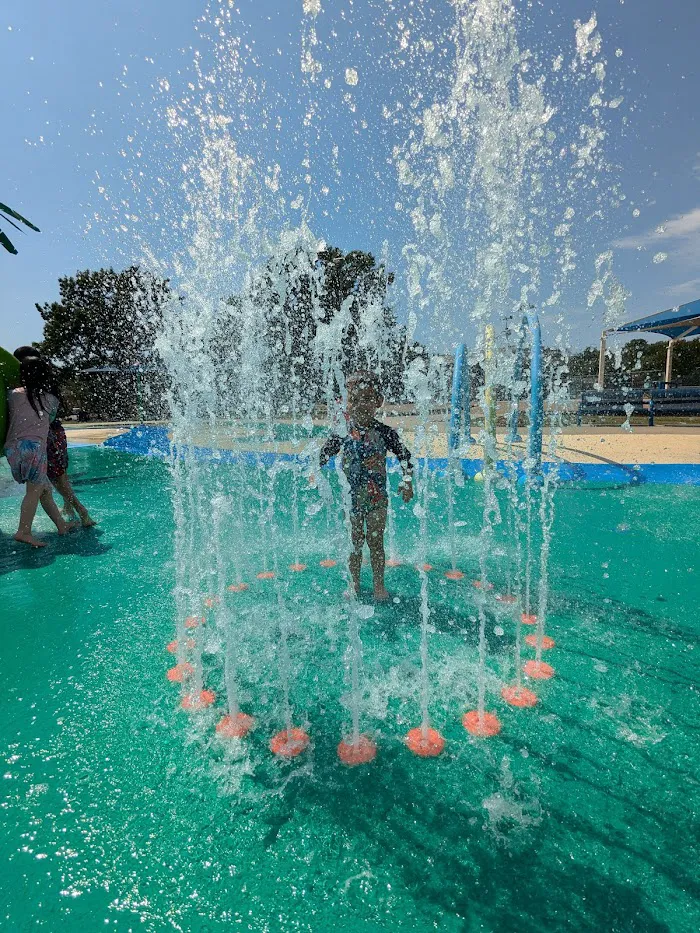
x=683, y=321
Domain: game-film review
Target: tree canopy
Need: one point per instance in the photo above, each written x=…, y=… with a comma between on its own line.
x=313, y=315
x=298, y=305
x=307, y=307
x=638, y=363
x=104, y=318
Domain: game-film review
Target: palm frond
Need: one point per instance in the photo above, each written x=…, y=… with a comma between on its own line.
x=4, y=241
x=8, y=221
x=8, y=210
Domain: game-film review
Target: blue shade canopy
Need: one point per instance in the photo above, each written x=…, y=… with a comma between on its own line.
x=683, y=321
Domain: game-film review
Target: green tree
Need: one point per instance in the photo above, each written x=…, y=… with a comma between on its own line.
x=104, y=319
x=583, y=369
x=686, y=362
x=641, y=364
x=370, y=341
x=297, y=292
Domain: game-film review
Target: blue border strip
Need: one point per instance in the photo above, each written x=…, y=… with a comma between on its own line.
x=153, y=442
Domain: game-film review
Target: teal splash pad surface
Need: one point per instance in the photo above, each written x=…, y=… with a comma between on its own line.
x=118, y=806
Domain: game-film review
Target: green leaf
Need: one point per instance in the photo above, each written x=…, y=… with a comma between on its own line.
x=4, y=241
x=8, y=210
x=8, y=221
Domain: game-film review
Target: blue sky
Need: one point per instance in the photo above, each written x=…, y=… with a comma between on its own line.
x=78, y=79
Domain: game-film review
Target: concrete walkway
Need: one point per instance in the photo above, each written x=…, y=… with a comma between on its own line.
x=585, y=444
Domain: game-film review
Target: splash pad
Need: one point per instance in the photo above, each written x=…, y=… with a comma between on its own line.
x=474, y=170
x=277, y=594
x=269, y=514
x=275, y=508
x=272, y=323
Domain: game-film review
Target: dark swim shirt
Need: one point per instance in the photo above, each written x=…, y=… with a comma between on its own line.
x=364, y=453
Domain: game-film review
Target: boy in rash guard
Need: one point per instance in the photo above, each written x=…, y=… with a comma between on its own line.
x=364, y=450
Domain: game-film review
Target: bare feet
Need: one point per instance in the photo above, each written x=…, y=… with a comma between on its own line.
x=67, y=528
x=381, y=594
x=29, y=539
x=85, y=519
x=351, y=592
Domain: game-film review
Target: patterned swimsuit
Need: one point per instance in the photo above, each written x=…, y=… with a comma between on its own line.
x=56, y=451
x=25, y=444
x=364, y=452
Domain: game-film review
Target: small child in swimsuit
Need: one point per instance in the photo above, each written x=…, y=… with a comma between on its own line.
x=364, y=451
x=57, y=456
x=32, y=406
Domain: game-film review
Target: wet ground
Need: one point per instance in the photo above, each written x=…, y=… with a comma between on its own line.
x=121, y=810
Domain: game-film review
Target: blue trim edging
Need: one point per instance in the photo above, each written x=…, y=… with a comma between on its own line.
x=143, y=440
x=147, y=441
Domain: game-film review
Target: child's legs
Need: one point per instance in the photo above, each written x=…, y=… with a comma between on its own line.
x=357, y=533
x=28, y=509
x=57, y=459
x=52, y=510
x=63, y=485
x=376, y=523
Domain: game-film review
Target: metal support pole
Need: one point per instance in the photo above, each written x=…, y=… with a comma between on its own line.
x=534, y=439
x=601, y=361
x=669, y=363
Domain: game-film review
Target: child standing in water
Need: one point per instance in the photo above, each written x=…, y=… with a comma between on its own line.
x=31, y=408
x=57, y=456
x=364, y=451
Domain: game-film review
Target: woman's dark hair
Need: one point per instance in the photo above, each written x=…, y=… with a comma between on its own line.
x=22, y=353
x=38, y=379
